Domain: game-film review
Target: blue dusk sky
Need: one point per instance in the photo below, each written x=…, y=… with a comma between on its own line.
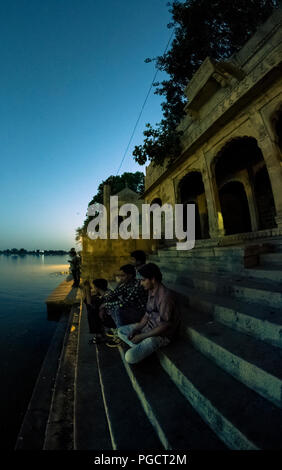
x=73, y=81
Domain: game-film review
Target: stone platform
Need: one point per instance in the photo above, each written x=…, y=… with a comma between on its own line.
x=63, y=297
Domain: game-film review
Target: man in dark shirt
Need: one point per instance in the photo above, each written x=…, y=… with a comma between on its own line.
x=127, y=303
x=160, y=322
x=75, y=262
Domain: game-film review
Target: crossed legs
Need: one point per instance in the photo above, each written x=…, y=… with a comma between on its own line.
x=138, y=352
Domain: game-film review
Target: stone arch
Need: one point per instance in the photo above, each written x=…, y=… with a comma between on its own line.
x=235, y=208
x=191, y=190
x=239, y=160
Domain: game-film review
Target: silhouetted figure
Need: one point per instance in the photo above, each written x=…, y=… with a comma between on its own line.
x=74, y=267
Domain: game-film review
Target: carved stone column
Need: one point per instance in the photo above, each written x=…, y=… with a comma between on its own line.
x=250, y=193
x=216, y=226
x=272, y=161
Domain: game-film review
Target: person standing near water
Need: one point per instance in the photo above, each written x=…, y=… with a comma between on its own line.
x=74, y=267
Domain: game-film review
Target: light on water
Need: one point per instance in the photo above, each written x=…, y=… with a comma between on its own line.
x=25, y=332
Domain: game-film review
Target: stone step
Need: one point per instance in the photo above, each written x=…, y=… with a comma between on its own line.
x=128, y=424
x=270, y=273
x=257, y=320
x=260, y=291
x=221, y=265
x=59, y=433
x=176, y=422
x=210, y=252
x=239, y=416
x=205, y=263
x=33, y=428
x=251, y=361
x=90, y=423
x=271, y=259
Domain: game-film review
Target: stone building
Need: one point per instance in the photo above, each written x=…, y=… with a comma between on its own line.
x=103, y=258
x=231, y=163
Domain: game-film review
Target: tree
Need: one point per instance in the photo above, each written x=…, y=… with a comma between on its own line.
x=134, y=181
x=214, y=28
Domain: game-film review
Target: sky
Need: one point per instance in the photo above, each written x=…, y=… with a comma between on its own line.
x=72, y=85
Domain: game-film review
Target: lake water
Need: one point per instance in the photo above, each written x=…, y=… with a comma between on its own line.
x=25, y=332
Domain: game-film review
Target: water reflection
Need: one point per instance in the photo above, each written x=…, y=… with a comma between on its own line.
x=25, y=333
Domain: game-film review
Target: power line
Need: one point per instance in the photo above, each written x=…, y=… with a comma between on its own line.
x=142, y=108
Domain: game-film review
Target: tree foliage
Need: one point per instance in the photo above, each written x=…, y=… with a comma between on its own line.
x=214, y=28
x=134, y=181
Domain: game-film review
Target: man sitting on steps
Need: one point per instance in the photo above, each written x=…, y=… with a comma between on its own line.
x=160, y=322
x=96, y=324
x=127, y=303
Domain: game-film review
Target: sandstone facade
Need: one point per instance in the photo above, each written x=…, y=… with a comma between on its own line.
x=231, y=163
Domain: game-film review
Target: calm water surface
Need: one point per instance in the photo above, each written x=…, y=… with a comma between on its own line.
x=25, y=332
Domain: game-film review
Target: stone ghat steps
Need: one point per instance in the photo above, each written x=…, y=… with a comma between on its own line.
x=223, y=259
x=108, y=414
x=184, y=397
x=123, y=407
x=273, y=244
x=255, y=319
x=271, y=259
x=91, y=431
x=127, y=421
x=268, y=273
x=33, y=428
x=267, y=292
x=266, y=270
x=251, y=361
x=59, y=433
x=176, y=423
x=241, y=418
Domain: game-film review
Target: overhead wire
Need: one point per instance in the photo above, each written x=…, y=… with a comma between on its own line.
x=142, y=108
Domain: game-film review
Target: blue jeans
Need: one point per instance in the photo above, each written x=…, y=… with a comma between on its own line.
x=138, y=352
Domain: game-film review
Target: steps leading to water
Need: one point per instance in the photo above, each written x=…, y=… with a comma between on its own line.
x=91, y=431
x=242, y=419
x=59, y=433
x=128, y=424
x=175, y=421
x=252, y=318
x=251, y=361
x=218, y=386
x=238, y=287
x=233, y=329
x=33, y=428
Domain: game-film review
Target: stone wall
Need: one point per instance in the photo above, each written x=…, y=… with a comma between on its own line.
x=103, y=258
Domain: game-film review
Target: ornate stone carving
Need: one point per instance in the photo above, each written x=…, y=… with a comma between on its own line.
x=233, y=95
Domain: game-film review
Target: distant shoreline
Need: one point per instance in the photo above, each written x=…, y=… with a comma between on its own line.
x=23, y=252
